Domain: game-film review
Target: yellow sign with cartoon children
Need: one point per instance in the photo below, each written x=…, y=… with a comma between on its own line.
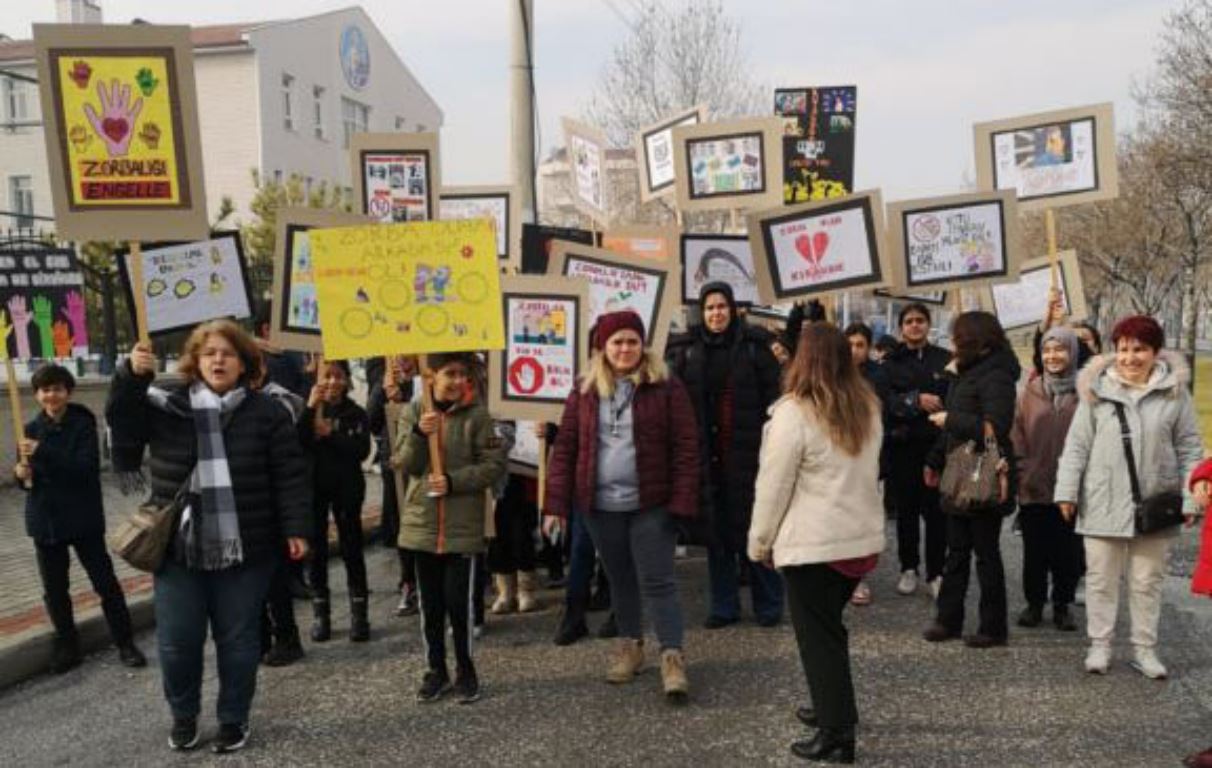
x=416, y=288
x=121, y=132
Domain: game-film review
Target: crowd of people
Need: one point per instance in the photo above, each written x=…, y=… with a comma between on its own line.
x=782, y=455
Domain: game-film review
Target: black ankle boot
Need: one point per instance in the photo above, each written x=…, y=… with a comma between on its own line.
x=829, y=745
x=65, y=654
x=1062, y=619
x=359, y=622
x=321, y=629
x=571, y=629
x=1031, y=616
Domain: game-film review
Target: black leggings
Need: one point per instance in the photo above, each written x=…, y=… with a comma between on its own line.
x=54, y=564
x=347, y=511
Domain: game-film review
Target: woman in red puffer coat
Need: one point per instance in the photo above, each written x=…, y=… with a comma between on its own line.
x=1201, y=583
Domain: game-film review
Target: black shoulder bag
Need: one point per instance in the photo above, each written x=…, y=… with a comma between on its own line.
x=1161, y=510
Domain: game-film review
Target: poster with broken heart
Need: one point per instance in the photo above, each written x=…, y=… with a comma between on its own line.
x=189, y=283
x=121, y=126
x=819, y=248
x=718, y=259
x=954, y=241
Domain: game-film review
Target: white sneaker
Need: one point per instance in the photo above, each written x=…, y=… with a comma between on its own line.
x=936, y=586
x=1146, y=662
x=1098, y=659
x=908, y=583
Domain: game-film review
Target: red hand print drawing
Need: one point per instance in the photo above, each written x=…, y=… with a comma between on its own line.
x=116, y=123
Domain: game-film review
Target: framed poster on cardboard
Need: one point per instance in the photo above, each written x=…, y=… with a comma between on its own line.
x=586, y=149
x=42, y=301
x=654, y=150
x=396, y=176
x=501, y=204
x=546, y=347
x=735, y=164
x=1050, y=159
x=955, y=241
x=537, y=242
x=120, y=113
x=818, y=141
x=294, y=322
x=718, y=258
x=936, y=298
x=814, y=249
x=618, y=282
x=1022, y=304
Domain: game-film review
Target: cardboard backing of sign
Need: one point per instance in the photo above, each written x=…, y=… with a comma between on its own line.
x=512, y=205
x=422, y=145
x=119, y=124
x=899, y=239
x=667, y=274
x=283, y=333
x=1100, y=175
x=765, y=133
x=596, y=142
x=645, y=243
x=501, y=403
x=1034, y=280
x=651, y=189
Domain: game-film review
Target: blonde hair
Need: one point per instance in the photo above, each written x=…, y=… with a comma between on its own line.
x=601, y=376
x=824, y=377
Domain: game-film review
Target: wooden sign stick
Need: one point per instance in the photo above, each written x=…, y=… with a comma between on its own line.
x=318, y=361
x=542, y=425
x=137, y=291
x=1053, y=259
x=14, y=394
x=436, y=459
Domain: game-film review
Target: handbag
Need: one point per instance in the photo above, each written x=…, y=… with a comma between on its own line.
x=972, y=478
x=142, y=539
x=1161, y=510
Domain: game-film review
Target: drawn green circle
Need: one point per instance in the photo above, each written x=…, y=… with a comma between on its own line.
x=356, y=323
x=432, y=321
x=472, y=288
x=393, y=294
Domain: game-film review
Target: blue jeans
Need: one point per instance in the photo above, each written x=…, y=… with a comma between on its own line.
x=229, y=602
x=581, y=560
x=765, y=583
x=637, y=550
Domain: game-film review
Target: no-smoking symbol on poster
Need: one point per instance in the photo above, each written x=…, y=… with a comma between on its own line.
x=525, y=376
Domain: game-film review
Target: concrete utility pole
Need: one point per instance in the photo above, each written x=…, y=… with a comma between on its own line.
x=521, y=105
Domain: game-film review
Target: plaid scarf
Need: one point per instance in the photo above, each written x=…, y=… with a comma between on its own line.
x=209, y=536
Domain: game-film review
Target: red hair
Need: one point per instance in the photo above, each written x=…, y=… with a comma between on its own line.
x=1142, y=328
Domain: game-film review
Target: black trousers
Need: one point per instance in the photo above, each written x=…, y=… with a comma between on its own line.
x=446, y=583
x=279, y=619
x=389, y=527
x=513, y=548
x=977, y=534
x=816, y=597
x=1050, y=548
x=916, y=504
x=54, y=565
x=346, y=504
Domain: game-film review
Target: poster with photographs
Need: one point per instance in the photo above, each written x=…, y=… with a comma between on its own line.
x=718, y=259
x=42, y=301
x=1050, y=159
x=654, y=148
x=617, y=282
x=546, y=346
x=649, y=243
x=499, y=204
x=1021, y=304
x=954, y=241
x=120, y=109
x=294, y=321
x=586, y=150
x=734, y=164
x=396, y=175
x=937, y=298
x=818, y=141
x=537, y=241
x=812, y=249
x=189, y=283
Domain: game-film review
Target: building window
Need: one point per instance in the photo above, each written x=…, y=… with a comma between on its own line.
x=317, y=111
x=401, y=123
x=422, y=128
x=288, y=96
x=307, y=187
x=16, y=104
x=21, y=200
x=278, y=177
x=355, y=118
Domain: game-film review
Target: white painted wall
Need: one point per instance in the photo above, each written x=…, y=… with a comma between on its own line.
x=230, y=126
x=23, y=153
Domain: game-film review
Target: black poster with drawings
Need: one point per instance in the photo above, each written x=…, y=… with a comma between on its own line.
x=536, y=244
x=42, y=297
x=818, y=141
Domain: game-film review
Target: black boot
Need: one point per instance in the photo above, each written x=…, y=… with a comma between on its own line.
x=359, y=623
x=130, y=655
x=65, y=655
x=286, y=649
x=1031, y=616
x=1062, y=619
x=572, y=622
x=321, y=629
x=829, y=745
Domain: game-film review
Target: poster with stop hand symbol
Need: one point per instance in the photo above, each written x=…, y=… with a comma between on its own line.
x=546, y=347
x=819, y=248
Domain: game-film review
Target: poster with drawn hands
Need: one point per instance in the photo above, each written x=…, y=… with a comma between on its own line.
x=189, y=283
x=718, y=258
x=407, y=288
x=818, y=141
x=42, y=296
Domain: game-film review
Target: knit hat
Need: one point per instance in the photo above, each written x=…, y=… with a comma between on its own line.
x=612, y=322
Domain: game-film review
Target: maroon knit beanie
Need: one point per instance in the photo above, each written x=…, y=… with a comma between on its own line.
x=612, y=322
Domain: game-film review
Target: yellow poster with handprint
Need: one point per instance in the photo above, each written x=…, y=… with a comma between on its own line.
x=418, y=288
x=121, y=132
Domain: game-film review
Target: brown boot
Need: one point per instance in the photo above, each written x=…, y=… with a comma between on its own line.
x=628, y=658
x=527, y=584
x=673, y=676
x=506, y=601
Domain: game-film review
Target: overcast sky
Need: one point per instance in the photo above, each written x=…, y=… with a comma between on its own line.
x=926, y=70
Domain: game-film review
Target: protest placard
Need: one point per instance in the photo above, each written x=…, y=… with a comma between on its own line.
x=396, y=175
x=524, y=456
x=1022, y=303
x=735, y=164
x=42, y=294
x=500, y=204
x=414, y=288
x=120, y=116
x=586, y=151
x=718, y=258
x=818, y=141
x=654, y=150
x=537, y=242
x=650, y=243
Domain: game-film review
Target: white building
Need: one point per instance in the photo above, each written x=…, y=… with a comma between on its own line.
x=278, y=97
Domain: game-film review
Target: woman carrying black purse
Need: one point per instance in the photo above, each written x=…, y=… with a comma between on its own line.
x=979, y=409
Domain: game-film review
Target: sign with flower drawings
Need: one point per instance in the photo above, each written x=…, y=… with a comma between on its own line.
x=42, y=293
x=121, y=127
x=959, y=240
x=396, y=289
x=189, y=283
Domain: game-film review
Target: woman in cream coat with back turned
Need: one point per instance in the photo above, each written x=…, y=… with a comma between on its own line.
x=818, y=517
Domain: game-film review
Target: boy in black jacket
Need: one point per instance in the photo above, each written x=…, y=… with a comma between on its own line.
x=334, y=431
x=61, y=467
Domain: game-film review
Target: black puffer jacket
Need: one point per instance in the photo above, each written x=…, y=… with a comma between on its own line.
x=65, y=501
x=268, y=471
x=909, y=373
x=732, y=414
